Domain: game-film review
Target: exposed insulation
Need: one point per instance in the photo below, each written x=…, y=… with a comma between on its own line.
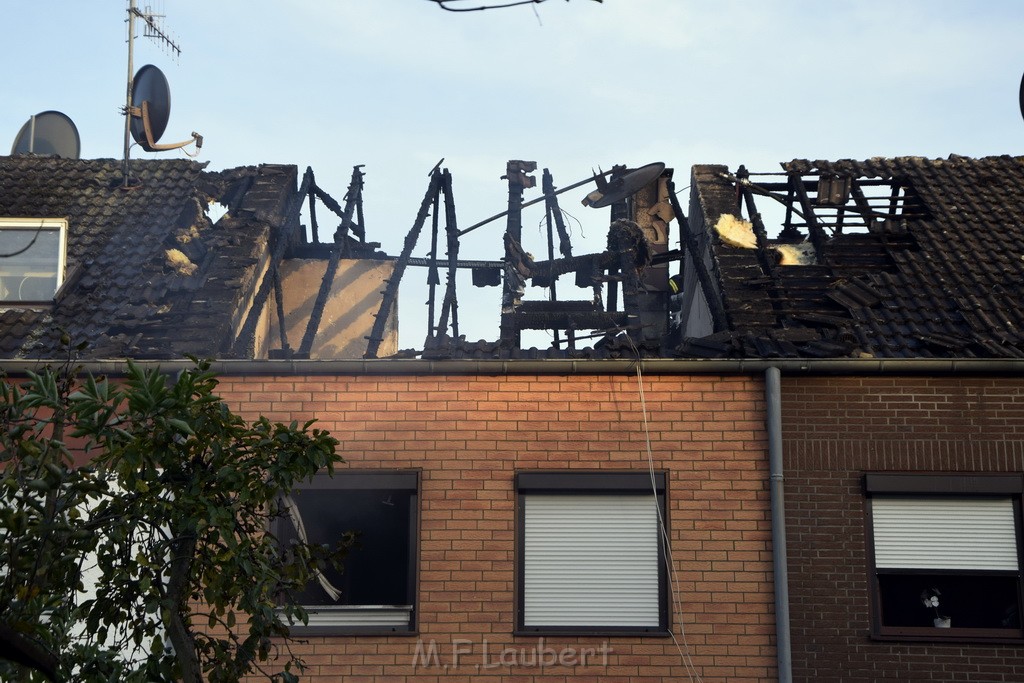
x=736, y=232
x=180, y=263
x=186, y=236
x=795, y=254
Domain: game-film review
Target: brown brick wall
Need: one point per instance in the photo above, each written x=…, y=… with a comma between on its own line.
x=834, y=429
x=470, y=434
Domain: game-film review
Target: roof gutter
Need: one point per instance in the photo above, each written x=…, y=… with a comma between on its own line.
x=865, y=366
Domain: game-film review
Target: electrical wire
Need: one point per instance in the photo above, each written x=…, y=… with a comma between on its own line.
x=514, y=3
x=21, y=251
x=568, y=228
x=676, y=598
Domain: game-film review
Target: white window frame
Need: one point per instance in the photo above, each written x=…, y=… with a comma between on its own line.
x=590, y=553
x=60, y=225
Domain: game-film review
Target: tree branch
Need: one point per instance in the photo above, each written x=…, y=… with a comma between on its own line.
x=20, y=649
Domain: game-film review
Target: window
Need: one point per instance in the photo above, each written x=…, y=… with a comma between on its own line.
x=31, y=258
x=945, y=555
x=590, y=556
x=377, y=588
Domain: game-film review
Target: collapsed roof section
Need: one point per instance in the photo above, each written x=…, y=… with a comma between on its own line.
x=886, y=258
x=148, y=275
x=151, y=273
x=636, y=260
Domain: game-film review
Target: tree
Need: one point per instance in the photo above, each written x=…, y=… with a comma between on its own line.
x=170, y=516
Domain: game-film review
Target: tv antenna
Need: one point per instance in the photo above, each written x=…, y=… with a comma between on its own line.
x=147, y=98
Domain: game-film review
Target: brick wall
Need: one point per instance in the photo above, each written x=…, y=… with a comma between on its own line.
x=470, y=434
x=834, y=429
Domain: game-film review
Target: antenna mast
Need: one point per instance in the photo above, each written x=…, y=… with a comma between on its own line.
x=154, y=30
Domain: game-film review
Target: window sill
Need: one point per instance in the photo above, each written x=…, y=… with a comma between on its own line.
x=362, y=620
x=950, y=635
x=596, y=631
x=300, y=631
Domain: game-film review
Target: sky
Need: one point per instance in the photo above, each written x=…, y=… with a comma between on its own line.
x=397, y=85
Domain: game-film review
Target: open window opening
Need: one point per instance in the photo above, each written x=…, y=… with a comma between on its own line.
x=825, y=205
x=375, y=589
x=945, y=556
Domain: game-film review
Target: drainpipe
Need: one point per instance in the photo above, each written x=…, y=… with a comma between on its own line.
x=773, y=399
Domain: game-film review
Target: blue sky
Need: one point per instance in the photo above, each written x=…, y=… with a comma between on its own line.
x=398, y=84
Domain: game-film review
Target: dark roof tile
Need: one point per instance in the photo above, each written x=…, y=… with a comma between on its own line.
x=118, y=240
x=947, y=282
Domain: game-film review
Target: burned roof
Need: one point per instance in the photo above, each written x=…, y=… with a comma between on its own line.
x=147, y=275
x=897, y=258
x=886, y=258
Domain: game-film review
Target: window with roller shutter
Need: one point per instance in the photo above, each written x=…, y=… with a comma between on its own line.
x=944, y=552
x=591, y=557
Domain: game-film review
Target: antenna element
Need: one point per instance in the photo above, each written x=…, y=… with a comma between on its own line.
x=137, y=105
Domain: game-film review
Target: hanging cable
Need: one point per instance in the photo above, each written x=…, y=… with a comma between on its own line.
x=21, y=251
x=675, y=598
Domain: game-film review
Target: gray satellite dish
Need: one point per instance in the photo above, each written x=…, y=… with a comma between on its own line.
x=48, y=132
x=151, y=109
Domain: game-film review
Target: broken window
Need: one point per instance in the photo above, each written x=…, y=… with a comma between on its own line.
x=32, y=253
x=375, y=590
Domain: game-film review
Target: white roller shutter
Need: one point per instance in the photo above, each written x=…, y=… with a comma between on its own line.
x=944, y=533
x=590, y=560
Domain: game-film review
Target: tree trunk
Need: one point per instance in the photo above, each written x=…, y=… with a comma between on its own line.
x=174, y=620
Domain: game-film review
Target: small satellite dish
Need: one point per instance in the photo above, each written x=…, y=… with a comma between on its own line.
x=626, y=185
x=48, y=132
x=151, y=109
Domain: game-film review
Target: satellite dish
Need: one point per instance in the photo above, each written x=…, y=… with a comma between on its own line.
x=48, y=132
x=151, y=109
x=151, y=95
x=1022, y=96
x=626, y=185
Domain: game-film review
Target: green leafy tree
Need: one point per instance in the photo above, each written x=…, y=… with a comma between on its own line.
x=153, y=562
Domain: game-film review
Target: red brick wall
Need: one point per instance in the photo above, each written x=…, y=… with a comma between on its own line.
x=470, y=434
x=834, y=429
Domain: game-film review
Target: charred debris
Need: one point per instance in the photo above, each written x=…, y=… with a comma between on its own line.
x=628, y=310
x=726, y=289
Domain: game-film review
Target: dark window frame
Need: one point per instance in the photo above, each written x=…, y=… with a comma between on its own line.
x=584, y=483
x=939, y=485
x=404, y=480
